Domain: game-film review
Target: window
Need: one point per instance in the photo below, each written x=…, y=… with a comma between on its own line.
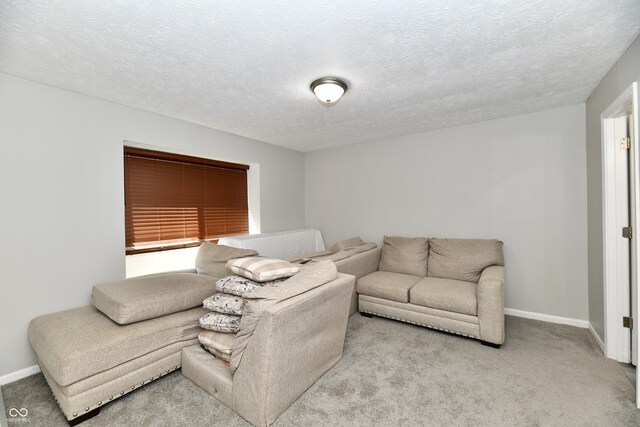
x=174, y=201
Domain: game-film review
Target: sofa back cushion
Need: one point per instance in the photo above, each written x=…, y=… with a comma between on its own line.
x=406, y=255
x=211, y=259
x=146, y=297
x=463, y=259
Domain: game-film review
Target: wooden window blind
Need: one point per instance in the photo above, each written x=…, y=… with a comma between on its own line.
x=174, y=201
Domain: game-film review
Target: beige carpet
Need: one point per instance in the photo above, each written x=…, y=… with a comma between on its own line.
x=398, y=374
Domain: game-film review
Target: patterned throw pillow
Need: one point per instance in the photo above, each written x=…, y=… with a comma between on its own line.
x=220, y=322
x=224, y=303
x=223, y=342
x=236, y=285
x=262, y=269
x=226, y=358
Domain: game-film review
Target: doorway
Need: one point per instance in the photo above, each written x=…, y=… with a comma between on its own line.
x=621, y=185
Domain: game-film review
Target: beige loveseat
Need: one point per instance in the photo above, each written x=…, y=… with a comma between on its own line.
x=455, y=285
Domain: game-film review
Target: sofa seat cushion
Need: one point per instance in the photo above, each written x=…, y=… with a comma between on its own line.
x=384, y=284
x=445, y=294
x=78, y=343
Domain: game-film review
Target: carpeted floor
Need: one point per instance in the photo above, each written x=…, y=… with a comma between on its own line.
x=398, y=374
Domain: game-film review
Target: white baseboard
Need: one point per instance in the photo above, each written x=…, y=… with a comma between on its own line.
x=547, y=318
x=597, y=338
x=18, y=375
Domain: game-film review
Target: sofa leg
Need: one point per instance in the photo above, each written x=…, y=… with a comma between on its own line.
x=366, y=314
x=490, y=344
x=84, y=417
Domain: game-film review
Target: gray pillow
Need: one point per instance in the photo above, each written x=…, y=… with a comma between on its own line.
x=406, y=255
x=147, y=297
x=463, y=259
x=211, y=258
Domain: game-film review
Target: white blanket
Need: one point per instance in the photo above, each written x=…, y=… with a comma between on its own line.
x=281, y=244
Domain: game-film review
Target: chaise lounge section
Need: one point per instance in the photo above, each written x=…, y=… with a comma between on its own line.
x=89, y=359
x=132, y=334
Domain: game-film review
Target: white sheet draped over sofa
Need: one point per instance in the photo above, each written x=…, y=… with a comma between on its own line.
x=281, y=244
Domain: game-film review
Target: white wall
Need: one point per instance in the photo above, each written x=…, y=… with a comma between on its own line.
x=519, y=179
x=62, y=216
x=624, y=72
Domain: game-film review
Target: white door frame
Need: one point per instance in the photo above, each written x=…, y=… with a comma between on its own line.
x=616, y=299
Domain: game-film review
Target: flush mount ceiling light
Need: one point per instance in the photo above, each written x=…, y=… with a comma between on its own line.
x=329, y=89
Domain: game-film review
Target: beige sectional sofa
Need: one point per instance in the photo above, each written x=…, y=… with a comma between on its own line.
x=138, y=330
x=455, y=285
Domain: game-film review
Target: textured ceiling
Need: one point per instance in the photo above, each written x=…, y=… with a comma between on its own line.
x=245, y=66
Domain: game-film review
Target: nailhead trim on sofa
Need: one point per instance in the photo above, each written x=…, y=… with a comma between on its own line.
x=419, y=324
x=111, y=398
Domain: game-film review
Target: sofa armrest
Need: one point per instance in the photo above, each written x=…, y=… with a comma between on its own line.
x=295, y=342
x=359, y=266
x=490, y=296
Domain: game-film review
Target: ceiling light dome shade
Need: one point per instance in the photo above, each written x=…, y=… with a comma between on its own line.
x=329, y=89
